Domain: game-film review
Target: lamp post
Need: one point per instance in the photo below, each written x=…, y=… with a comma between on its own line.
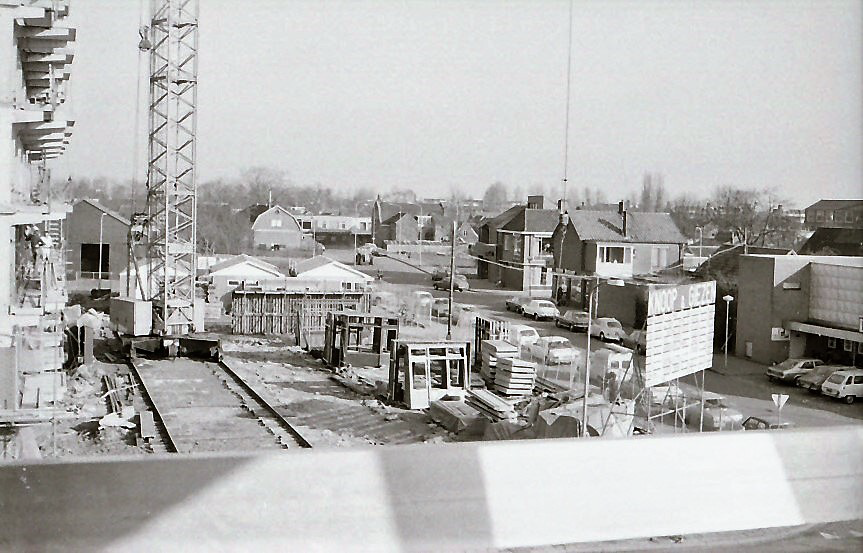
x=594, y=290
x=728, y=299
x=101, y=218
x=700, y=241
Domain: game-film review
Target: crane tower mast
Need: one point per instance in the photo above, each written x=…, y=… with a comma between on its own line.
x=171, y=199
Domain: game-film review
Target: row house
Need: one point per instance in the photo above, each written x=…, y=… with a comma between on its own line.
x=341, y=229
x=834, y=214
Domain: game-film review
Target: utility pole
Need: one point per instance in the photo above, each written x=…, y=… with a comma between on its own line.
x=451, y=282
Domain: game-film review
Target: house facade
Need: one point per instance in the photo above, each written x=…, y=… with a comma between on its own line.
x=614, y=245
x=341, y=229
x=241, y=270
x=834, y=214
x=88, y=225
x=524, y=249
x=325, y=273
x=277, y=229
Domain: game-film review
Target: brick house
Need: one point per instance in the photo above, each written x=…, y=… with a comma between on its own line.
x=834, y=214
x=614, y=244
x=89, y=224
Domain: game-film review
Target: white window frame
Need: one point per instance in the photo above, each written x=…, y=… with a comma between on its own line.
x=276, y=223
x=847, y=345
x=831, y=342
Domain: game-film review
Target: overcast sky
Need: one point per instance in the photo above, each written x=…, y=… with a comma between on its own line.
x=457, y=94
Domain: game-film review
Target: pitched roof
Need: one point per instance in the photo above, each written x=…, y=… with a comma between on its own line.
x=318, y=261
x=835, y=204
x=505, y=217
x=838, y=241
x=726, y=260
x=106, y=210
x=533, y=220
x=273, y=209
x=395, y=217
x=642, y=226
x=243, y=258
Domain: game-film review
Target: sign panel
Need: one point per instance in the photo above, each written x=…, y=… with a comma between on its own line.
x=779, y=334
x=679, y=335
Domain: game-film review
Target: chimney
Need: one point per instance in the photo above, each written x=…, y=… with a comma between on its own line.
x=622, y=211
x=535, y=202
x=562, y=215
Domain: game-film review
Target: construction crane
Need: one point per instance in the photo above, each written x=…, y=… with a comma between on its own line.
x=168, y=225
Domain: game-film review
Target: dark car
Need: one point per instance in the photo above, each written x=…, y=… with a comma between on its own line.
x=767, y=422
x=516, y=303
x=459, y=283
x=573, y=319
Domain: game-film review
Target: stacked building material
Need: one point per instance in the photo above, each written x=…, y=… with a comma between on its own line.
x=514, y=377
x=491, y=351
x=492, y=407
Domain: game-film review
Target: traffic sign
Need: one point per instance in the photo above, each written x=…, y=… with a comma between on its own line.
x=779, y=400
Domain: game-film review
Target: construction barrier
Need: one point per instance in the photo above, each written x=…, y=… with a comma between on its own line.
x=437, y=497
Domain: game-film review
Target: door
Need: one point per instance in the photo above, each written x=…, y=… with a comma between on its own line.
x=417, y=383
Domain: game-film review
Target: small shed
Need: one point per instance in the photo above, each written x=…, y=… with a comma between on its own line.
x=422, y=372
x=240, y=270
x=361, y=339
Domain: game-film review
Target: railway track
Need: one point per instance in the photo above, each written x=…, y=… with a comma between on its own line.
x=203, y=406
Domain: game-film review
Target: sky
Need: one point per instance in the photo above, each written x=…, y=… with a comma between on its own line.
x=454, y=95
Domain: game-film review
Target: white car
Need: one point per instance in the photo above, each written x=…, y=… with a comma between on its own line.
x=793, y=368
x=553, y=350
x=607, y=328
x=846, y=385
x=522, y=335
x=540, y=309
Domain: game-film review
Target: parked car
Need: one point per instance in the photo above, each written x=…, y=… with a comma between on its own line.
x=718, y=414
x=553, y=350
x=573, y=319
x=439, y=273
x=459, y=283
x=792, y=368
x=522, y=335
x=540, y=309
x=607, y=328
x=816, y=377
x=440, y=307
x=844, y=384
x=768, y=421
x=636, y=341
x=516, y=303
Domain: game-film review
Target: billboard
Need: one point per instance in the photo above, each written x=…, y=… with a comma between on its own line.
x=679, y=335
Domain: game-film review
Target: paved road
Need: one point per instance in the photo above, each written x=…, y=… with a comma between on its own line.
x=741, y=378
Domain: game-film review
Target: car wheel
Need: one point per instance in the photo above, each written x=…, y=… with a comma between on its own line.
x=557, y=324
x=602, y=336
x=850, y=399
x=535, y=317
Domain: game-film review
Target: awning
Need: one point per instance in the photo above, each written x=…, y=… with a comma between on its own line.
x=809, y=328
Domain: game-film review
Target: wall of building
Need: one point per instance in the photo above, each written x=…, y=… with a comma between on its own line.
x=771, y=292
x=82, y=227
x=837, y=295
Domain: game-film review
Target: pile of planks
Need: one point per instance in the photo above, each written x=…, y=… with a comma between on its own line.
x=514, y=377
x=491, y=351
x=492, y=407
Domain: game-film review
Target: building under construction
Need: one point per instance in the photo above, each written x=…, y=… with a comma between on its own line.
x=35, y=61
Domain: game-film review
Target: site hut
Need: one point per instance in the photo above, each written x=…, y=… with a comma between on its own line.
x=422, y=372
x=800, y=306
x=359, y=339
x=279, y=229
x=329, y=274
x=87, y=226
x=240, y=270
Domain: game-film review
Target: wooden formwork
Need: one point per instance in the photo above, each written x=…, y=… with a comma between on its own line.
x=280, y=312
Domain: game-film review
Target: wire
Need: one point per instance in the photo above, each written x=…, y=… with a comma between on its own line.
x=568, y=88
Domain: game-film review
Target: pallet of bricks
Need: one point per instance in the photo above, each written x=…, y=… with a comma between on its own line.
x=491, y=351
x=514, y=377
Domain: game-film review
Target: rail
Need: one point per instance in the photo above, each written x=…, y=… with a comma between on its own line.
x=301, y=440
x=170, y=442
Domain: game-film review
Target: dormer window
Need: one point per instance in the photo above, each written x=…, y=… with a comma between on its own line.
x=276, y=223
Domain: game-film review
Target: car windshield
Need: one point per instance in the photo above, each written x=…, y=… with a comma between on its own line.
x=787, y=364
x=525, y=333
x=612, y=324
x=560, y=345
x=837, y=379
x=544, y=304
x=576, y=315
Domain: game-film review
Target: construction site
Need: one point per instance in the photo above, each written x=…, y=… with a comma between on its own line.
x=292, y=413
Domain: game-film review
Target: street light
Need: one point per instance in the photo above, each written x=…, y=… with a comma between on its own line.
x=594, y=290
x=700, y=241
x=728, y=299
x=101, y=218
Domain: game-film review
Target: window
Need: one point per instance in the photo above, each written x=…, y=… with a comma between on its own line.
x=507, y=242
x=343, y=225
x=819, y=216
x=518, y=243
x=808, y=365
x=612, y=254
x=849, y=217
x=275, y=222
x=858, y=379
x=91, y=258
x=419, y=370
x=233, y=283
x=847, y=345
x=831, y=342
x=859, y=347
x=658, y=257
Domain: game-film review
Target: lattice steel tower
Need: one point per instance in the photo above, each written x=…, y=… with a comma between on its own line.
x=171, y=202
